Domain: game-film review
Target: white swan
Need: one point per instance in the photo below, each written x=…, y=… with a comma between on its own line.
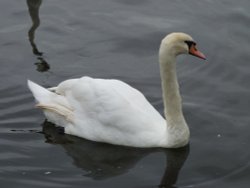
x=111, y=111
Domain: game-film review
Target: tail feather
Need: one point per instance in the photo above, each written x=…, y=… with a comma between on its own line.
x=61, y=110
x=51, y=102
x=41, y=94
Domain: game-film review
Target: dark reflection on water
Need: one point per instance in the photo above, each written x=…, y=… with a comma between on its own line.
x=102, y=161
x=34, y=6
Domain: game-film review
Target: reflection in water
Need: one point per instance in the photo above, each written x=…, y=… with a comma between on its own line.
x=42, y=65
x=102, y=161
x=175, y=161
x=34, y=6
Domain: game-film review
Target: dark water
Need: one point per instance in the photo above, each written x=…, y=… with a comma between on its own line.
x=50, y=41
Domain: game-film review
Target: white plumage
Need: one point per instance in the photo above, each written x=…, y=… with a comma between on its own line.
x=102, y=110
x=111, y=111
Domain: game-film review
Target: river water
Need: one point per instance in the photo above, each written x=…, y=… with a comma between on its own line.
x=50, y=41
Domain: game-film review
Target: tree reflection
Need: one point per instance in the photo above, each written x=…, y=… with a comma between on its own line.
x=102, y=161
x=34, y=6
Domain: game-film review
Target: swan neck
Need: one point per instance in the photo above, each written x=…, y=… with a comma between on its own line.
x=170, y=88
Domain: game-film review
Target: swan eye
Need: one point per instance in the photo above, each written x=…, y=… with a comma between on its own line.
x=190, y=43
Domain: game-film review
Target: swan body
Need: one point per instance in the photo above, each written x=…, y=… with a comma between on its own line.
x=111, y=111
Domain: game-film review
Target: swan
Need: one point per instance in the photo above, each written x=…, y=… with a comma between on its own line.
x=111, y=111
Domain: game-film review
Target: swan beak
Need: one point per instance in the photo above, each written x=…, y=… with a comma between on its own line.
x=193, y=51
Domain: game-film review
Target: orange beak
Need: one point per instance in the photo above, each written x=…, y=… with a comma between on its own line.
x=193, y=51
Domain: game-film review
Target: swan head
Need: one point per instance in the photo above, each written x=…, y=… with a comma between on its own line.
x=179, y=43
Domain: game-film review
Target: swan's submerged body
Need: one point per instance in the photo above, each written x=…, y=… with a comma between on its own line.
x=111, y=111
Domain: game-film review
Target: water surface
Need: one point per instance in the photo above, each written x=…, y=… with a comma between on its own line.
x=50, y=41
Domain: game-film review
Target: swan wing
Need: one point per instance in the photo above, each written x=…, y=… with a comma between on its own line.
x=109, y=110
x=104, y=110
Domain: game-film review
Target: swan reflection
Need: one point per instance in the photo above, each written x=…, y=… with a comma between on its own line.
x=102, y=161
x=34, y=6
